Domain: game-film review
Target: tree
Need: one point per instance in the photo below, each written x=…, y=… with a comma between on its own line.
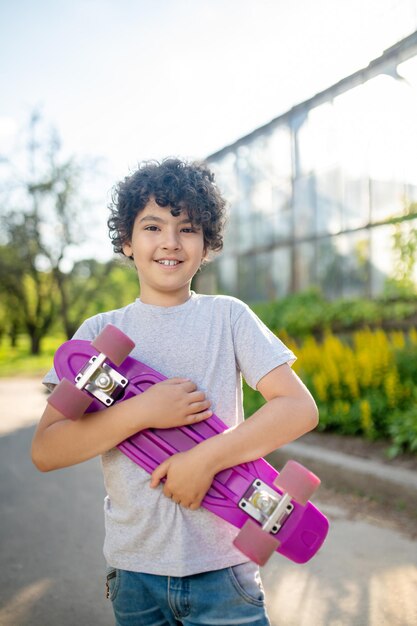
x=28, y=294
x=43, y=220
x=90, y=288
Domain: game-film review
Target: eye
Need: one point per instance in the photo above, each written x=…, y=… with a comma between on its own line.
x=189, y=229
x=152, y=228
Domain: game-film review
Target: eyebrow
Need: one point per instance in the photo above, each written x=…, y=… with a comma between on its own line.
x=155, y=218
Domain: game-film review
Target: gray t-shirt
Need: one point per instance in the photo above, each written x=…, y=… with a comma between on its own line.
x=213, y=341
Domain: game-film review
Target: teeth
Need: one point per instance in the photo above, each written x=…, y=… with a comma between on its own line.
x=167, y=262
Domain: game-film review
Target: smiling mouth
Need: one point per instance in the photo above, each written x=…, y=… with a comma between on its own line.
x=168, y=263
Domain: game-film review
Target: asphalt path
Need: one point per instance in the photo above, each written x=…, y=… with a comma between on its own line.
x=52, y=568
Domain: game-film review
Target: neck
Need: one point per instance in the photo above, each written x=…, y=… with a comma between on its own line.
x=164, y=299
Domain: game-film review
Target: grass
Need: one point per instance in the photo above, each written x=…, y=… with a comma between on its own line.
x=18, y=361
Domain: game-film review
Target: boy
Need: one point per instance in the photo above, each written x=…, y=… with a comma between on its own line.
x=170, y=561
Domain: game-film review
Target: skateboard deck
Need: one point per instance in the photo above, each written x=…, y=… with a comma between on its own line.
x=250, y=491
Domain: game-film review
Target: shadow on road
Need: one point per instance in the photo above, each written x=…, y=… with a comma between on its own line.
x=51, y=541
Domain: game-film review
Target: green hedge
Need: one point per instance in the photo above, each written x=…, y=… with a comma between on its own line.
x=310, y=313
x=364, y=380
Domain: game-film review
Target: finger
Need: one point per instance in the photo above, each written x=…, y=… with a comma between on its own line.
x=176, y=381
x=198, y=407
x=189, y=386
x=199, y=417
x=197, y=396
x=168, y=493
x=158, y=474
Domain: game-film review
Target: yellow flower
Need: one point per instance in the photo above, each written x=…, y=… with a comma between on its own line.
x=392, y=387
x=398, y=339
x=320, y=386
x=366, y=416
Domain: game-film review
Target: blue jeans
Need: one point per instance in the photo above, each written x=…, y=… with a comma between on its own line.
x=219, y=598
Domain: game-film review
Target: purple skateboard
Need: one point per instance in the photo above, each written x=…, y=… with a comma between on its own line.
x=271, y=509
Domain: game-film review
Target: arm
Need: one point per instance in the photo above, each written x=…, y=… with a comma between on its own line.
x=59, y=442
x=289, y=412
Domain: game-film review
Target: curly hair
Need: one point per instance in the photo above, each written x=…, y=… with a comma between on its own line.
x=177, y=184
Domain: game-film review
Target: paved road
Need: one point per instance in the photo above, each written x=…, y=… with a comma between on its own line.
x=52, y=533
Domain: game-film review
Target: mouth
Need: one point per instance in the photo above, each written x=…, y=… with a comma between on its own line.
x=168, y=262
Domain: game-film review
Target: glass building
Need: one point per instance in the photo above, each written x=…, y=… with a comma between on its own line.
x=316, y=195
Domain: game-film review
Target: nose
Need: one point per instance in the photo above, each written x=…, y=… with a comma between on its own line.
x=171, y=240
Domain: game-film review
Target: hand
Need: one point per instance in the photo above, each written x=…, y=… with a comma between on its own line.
x=174, y=402
x=188, y=478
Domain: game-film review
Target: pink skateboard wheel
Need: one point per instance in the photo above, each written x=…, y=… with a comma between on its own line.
x=256, y=543
x=113, y=343
x=297, y=481
x=69, y=400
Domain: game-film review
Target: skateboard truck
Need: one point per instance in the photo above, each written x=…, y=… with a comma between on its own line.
x=97, y=379
x=101, y=380
x=266, y=506
x=271, y=509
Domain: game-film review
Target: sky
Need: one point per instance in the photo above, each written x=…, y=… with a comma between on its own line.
x=127, y=80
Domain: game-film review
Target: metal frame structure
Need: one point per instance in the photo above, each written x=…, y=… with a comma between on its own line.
x=317, y=226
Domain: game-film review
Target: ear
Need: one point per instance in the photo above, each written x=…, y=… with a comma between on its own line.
x=127, y=249
x=204, y=258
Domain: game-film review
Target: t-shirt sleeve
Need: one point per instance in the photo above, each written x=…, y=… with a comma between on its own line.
x=258, y=351
x=88, y=330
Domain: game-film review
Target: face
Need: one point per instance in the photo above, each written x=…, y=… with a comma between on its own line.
x=167, y=252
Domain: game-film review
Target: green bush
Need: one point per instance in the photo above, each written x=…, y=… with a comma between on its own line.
x=364, y=384
x=309, y=312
